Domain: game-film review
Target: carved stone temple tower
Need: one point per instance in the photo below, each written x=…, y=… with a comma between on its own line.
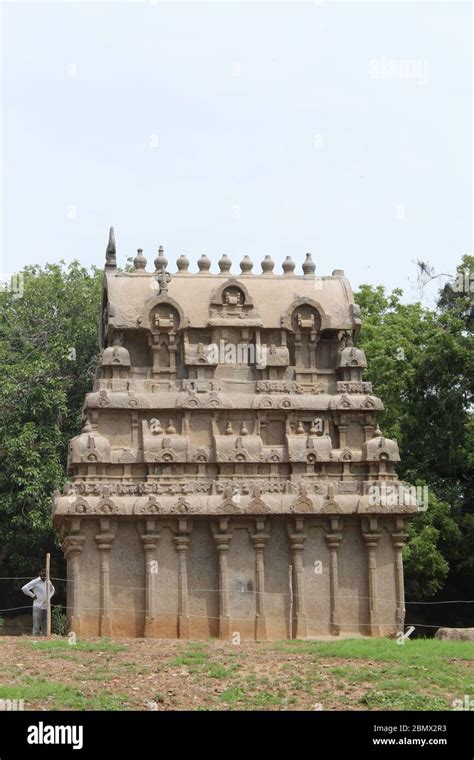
x=230, y=474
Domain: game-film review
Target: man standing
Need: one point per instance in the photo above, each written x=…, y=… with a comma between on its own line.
x=37, y=590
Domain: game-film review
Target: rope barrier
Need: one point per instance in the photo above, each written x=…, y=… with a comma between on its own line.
x=234, y=619
x=319, y=596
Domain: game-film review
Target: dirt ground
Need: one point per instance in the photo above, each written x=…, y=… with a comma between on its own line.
x=144, y=674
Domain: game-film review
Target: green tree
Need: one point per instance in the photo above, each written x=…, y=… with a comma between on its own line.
x=421, y=363
x=48, y=351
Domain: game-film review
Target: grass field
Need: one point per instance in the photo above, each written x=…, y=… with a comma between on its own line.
x=145, y=674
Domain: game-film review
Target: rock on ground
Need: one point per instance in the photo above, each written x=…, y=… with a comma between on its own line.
x=455, y=634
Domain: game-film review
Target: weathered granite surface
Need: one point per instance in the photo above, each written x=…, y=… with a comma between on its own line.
x=213, y=493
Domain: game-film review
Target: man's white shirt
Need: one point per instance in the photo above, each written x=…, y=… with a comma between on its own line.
x=37, y=588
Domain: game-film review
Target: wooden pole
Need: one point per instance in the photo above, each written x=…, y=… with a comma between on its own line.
x=290, y=584
x=48, y=597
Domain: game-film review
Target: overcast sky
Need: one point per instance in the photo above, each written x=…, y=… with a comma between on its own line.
x=343, y=129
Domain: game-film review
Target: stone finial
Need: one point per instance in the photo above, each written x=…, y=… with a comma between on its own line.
x=228, y=429
x=161, y=262
x=139, y=262
x=246, y=265
x=338, y=273
x=243, y=429
x=267, y=265
x=309, y=267
x=288, y=266
x=300, y=428
x=170, y=430
x=377, y=432
x=110, y=251
x=204, y=264
x=225, y=263
x=182, y=262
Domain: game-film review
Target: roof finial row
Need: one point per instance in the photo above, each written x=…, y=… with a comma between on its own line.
x=204, y=263
x=225, y=264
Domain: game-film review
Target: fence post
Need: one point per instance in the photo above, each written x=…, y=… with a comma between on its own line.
x=48, y=597
x=290, y=584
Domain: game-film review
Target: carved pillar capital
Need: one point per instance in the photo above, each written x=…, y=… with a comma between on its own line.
x=399, y=540
x=73, y=544
x=181, y=543
x=296, y=533
x=149, y=541
x=333, y=540
x=107, y=533
x=371, y=539
x=371, y=531
x=222, y=542
x=260, y=537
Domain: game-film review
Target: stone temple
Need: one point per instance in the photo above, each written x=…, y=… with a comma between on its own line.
x=230, y=474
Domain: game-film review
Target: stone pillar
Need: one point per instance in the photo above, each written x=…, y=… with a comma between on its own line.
x=72, y=545
x=181, y=540
x=346, y=469
x=104, y=541
x=135, y=423
x=333, y=540
x=259, y=539
x=172, y=348
x=398, y=540
x=222, y=540
x=297, y=539
x=371, y=536
x=298, y=349
x=149, y=539
x=368, y=432
x=154, y=343
x=342, y=436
